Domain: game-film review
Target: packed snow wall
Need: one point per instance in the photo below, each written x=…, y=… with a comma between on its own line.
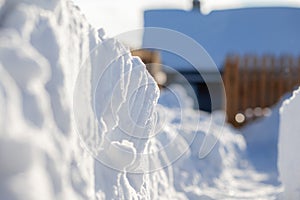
x=48, y=129
x=42, y=46
x=288, y=147
x=79, y=120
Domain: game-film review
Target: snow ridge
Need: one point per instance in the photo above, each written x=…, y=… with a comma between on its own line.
x=44, y=46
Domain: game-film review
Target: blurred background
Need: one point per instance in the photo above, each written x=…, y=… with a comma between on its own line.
x=255, y=45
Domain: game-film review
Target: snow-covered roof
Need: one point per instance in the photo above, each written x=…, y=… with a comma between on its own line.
x=252, y=30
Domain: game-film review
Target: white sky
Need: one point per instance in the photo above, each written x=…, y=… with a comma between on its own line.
x=118, y=16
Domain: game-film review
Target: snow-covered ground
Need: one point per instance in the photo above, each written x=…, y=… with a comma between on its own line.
x=79, y=119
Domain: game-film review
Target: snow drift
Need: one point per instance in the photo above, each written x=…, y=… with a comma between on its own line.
x=42, y=45
x=288, y=147
x=79, y=120
x=52, y=66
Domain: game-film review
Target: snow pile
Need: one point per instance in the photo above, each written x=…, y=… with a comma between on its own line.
x=79, y=120
x=262, y=140
x=225, y=172
x=288, y=147
x=43, y=45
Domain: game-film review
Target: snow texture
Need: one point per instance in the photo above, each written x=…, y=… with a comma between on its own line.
x=226, y=172
x=288, y=147
x=261, y=137
x=79, y=119
x=47, y=51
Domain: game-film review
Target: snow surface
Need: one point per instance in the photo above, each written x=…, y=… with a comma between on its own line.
x=80, y=120
x=261, y=137
x=226, y=172
x=47, y=55
x=288, y=147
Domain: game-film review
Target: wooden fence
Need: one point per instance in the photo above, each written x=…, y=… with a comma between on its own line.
x=253, y=84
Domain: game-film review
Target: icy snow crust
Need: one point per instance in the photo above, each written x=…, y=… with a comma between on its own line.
x=68, y=100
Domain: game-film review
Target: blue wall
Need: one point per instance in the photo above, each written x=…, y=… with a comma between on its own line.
x=252, y=30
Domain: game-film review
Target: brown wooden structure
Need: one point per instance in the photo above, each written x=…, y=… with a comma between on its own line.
x=253, y=84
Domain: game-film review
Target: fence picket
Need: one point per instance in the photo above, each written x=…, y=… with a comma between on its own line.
x=252, y=82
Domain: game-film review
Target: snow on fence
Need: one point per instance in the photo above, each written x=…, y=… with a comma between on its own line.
x=253, y=84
